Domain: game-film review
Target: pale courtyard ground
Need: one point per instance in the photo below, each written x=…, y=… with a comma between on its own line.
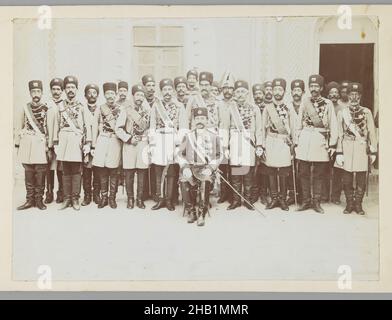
x=137, y=244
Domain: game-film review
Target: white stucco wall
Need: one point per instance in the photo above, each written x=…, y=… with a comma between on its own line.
x=254, y=49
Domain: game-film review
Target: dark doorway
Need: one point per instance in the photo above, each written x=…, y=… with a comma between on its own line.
x=353, y=62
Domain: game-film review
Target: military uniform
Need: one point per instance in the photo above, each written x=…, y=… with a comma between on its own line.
x=333, y=184
x=132, y=128
x=90, y=175
x=107, y=147
x=260, y=186
x=199, y=156
x=218, y=118
x=72, y=138
x=32, y=141
x=316, y=139
x=123, y=103
x=278, y=128
x=245, y=137
x=164, y=137
x=182, y=100
x=297, y=83
x=225, y=191
x=54, y=164
x=357, y=141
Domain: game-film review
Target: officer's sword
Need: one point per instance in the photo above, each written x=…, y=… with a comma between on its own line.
x=294, y=182
x=239, y=194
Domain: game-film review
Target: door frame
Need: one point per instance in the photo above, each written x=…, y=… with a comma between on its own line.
x=360, y=24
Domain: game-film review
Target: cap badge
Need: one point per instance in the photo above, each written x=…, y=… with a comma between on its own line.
x=278, y=83
x=35, y=84
x=355, y=86
x=313, y=79
x=297, y=83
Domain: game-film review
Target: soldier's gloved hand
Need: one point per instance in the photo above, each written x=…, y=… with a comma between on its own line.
x=259, y=151
x=340, y=160
x=92, y=152
x=206, y=172
x=133, y=140
x=86, y=149
x=187, y=173
x=372, y=158
x=181, y=161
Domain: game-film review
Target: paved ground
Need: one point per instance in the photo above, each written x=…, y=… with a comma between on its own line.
x=123, y=244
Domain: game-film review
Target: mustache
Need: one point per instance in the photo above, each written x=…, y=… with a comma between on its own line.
x=296, y=96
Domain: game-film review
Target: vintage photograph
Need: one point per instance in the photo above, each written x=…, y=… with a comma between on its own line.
x=196, y=149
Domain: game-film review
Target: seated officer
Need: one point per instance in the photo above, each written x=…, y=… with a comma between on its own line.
x=199, y=156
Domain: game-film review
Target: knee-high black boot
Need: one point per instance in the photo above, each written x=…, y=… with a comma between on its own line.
x=141, y=179
x=87, y=178
x=189, y=203
x=104, y=181
x=283, y=193
x=263, y=188
x=30, y=190
x=60, y=195
x=359, y=193
x=49, y=186
x=317, y=187
x=306, y=197
x=76, y=188
x=237, y=185
x=129, y=186
x=349, y=193
x=67, y=190
x=96, y=186
x=223, y=195
x=203, y=203
x=40, y=189
x=249, y=186
x=171, y=182
x=158, y=181
x=113, y=188
x=273, y=184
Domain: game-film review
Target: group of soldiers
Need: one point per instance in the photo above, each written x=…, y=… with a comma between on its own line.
x=194, y=135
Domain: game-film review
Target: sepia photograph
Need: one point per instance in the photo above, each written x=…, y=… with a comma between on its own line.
x=196, y=148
